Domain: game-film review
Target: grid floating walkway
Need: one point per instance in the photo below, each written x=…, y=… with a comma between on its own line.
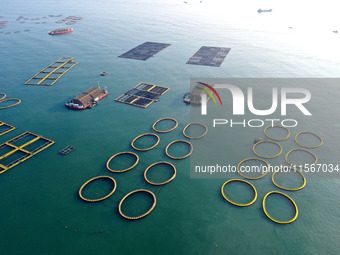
x=66, y=150
x=143, y=95
x=52, y=73
x=144, y=51
x=209, y=56
x=5, y=128
x=20, y=148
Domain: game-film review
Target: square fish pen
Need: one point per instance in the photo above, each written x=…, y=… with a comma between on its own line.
x=53, y=72
x=21, y=148
x=143, y=95
x=209, y=56
x=5, y=128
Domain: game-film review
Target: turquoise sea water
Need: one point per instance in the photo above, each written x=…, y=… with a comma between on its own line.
x=41, y=212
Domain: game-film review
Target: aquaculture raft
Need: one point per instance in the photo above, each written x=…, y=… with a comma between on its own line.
x=5, y=128
x=69, y=20
x=144, y=51
x=143, y=95
x=209, y=56
x=53, y=72
x=20, y=148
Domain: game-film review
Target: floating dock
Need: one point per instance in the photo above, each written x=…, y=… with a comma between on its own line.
x=5, y=128
x=209, y=56
x=21, y=148
x=52, y=73
x=143, y=95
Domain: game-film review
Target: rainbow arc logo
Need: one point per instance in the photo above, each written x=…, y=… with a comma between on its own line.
x=209, y=93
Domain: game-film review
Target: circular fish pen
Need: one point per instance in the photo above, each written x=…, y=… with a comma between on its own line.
x=305, y=165
x=3, y=96
x=179, y=141
x=165, y=131
x=142, y=215
x=12, y=105
x=253, y=178
x=160, y=183
x=277, y=139
x=290, y=189
x=239, y=204
x=98, y=199
x=263, y=142
x=197, y=124
x=290, y=199
x=142, y=135
x=306, y=146
x=122, y=170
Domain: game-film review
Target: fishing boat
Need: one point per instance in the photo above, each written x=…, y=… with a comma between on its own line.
x=60, y=31
x=186, y=97
x=264, y=10
x=194, y=96
x=103, y=73
x=87, y=99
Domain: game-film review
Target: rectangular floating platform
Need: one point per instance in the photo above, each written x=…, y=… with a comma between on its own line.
x=143, y=95
x=21, y=148
x=5, y=128
x=52, y=73
x=209, y=56
x=144, y=51
x=66, y=150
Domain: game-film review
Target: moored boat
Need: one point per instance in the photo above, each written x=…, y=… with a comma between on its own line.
x=60, y=31
x=194, y=96
x=87, y=99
